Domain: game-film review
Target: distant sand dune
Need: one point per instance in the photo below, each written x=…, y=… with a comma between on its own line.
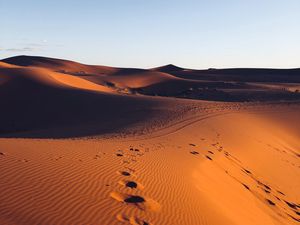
x=35, y=99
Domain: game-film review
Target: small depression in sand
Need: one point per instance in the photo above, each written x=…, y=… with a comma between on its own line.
x=143, y=203
x=125, y=173
x=132, y=220
x=194, y=152
x=131, y=184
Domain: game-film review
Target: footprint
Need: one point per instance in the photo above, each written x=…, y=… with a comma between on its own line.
x=24, y=160
x=97, y=157
x=277, y=198
x=208, y=157
x=122, y=218
x=194, y=152
x=292, y=205
x=247, y=171
x=270, y=202
x=132, y=220
x=134, y=199
x=58, y=158
x=131, y=184
x=246, y=186
x=298, y=220
x=140, y=202
x=124, y=173
x=264, y=185
x=137, y=221
x=280, y=192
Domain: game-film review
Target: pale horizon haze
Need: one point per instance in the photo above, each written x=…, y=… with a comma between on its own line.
x=144, y=34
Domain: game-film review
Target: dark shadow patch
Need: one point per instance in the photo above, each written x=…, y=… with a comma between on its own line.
x=131, y=184
x=134, y=199
x=194, y=152
x=291, y=205
x=125, y=173
x=208, y=157
x=247, y=171
x=270, y=202
x=298, y=220
x=246, y=186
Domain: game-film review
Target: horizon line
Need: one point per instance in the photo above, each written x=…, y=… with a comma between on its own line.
x=156, y=67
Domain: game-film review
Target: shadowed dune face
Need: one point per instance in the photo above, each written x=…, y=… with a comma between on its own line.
x=38, y=100
x=169, y=69
x=238, y=74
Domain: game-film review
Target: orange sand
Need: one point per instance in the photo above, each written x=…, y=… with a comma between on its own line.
x=186, y=162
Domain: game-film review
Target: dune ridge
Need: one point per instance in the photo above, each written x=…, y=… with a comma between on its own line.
x=239, y=84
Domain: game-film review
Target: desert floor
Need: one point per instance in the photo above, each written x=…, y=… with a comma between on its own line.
x=215, y=163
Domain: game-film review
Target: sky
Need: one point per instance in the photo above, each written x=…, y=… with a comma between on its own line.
x=151, y=33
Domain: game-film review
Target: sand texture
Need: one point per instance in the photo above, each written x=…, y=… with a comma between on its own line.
x=97, y=145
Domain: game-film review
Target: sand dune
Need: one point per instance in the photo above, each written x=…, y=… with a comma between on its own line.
x=36, y=99
x=59, y=65
x=133, y=80
x=236, y=74
x=199, y=174
x=172, y=81
x=87, y=145
x=45, y=77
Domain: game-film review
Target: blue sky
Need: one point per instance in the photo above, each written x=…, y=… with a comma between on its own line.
x=149, y=33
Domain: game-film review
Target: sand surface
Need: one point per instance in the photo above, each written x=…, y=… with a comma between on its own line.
x=225, y=169
x=114, y=158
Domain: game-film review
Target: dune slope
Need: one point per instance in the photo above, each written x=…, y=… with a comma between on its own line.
x=35, y=99
x=219, y=165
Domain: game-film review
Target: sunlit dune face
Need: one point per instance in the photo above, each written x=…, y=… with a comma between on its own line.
x=47, y=77
x=229, y=182
x=6, y=65
x=80, y=83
